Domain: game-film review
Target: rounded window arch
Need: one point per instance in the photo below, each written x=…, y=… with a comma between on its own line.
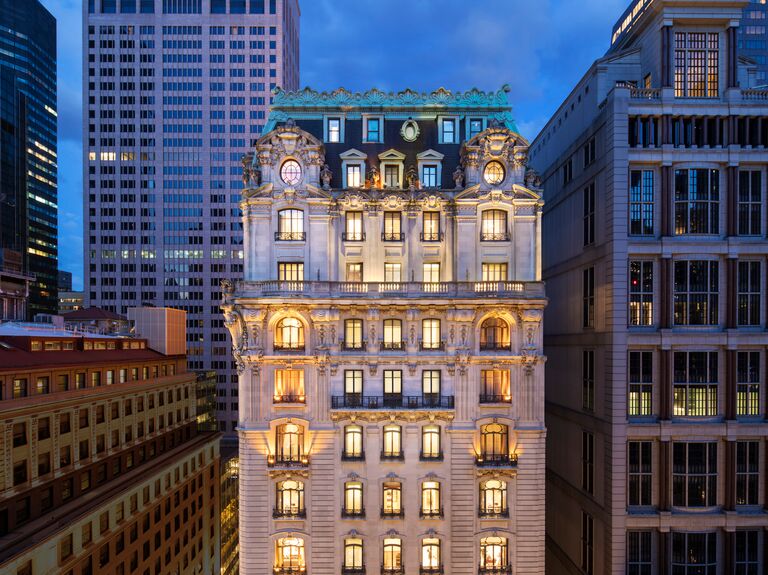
x=494, y=443
x=290, y=225
x=289, y=443
x=494, y=553
x=289, y=499
x=494, y=334
x=289, y=334
x=493, y=226
x=493, y=498
x=289, y=555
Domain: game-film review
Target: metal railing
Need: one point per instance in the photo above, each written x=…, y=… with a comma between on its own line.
x=299, y=461
x=290, y=236
x=392, y=345
x=494, y=237
x=392, y=237
x=431, y=513
x=353, y=513
x=507, y=570
x=432, y=345
x=288, y=348
x=496, y=346
x=491, y=514
x=496, y=460
x=492, y=398
x=393, y=513
x=753, y=94
x=353, y=345
x=288, y=513
x=353, y=236
x=432, y=237
x=289, y=399
x=382, y=290
x=390, y=456
x=392, y=401
x=353, y=456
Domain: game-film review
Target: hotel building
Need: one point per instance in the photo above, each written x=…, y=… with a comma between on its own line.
x=175, y=92
x=105, y=468
x=654, y=172
x=388, y=338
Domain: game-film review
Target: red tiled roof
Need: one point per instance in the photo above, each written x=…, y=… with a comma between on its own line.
x=91, y=313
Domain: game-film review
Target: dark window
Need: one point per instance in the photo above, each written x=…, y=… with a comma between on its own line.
x=588, y=379
x=696, y=288
x=747, y=472
x=748, y=296
x=750, y=206
x=694, y=474
x=640, y=473
x=588, y=297
x=587, y=462
x=589, y=214
x=694, y=553
x=697, y=201
x=641, y=203
x=747, y=553
x=639, y=553
x=587, y=543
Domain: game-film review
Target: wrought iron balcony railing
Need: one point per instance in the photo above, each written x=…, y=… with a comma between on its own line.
x=495, y=346
x=496, y=460
x=353, y=236
x=385, y=290
x=492, y=513
x=288, y=348
x=432, y=236
x=392, y=456
x=431, y=456
x=392, y=513
x=493, y=398
x=353, y=456
x=393, y=401
x=431, y=570
x=353, y=513
x=431, y=513
x=432, y=345
x=392, y=345
x=494, y=237
x=354, y=345
x=289, y=399
x=392, y=237
x=289, y=513
x=289, y=570
x=348, y=570
x=292, y=461
x=290, y=236
x=392, y=570
x=507, y=570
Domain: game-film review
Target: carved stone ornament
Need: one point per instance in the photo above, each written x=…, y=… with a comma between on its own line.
x=532, y=179
x=458, y=177
x=410, y=130
x=325, y=177
x=374, y=178
x=412, y=177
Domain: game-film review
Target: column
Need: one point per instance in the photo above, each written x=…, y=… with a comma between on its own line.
x=665, y=320
x=729, y=538
x=732, y=192
x=664, y=542
x=664, y=477
x=730, y=384
x=730, y=475
x=666, y=56
x=730, y=292
x=665, y=384
x=667, y=222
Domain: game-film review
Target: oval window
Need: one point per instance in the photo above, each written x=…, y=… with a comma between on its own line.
x=290, y=172
x=494, y=173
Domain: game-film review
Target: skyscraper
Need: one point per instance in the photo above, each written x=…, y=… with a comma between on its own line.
x=176, y=91
x=388, y=335
x=753, y=37
x=28, y=163
x=655, y=251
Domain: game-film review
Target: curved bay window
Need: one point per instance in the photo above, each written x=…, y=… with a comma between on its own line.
x=494, y=386
x=494, y=557
x=289, y=335
x=290, y=226
x=353, y=500
x=353, y=557
x=289, y=556
x=391, y=505
x=494, y=445
x=430, y=334
x=353, y=443
x=493, y=226
x=430, y=443
x=494, y=334
x=430, y=499
x=353, y=334
x=290, y=444
x=431, y=560
x=393, y=334
x=289, y=386
x=393, y=446
x=289, y=499
x=392, y=559
x=493, y=499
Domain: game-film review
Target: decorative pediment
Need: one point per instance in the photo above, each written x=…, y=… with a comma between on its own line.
x=353, y=154
x=289, y=140
x=392, y=155
x=430, y=155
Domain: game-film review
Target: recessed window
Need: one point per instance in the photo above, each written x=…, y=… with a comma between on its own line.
x=354, y=175
x=694, y=474
x=391, y=176
x=290, y=225
x=289, y=500
x=353, y=555
x=748, y=383
x=354, y=272
x=393, y=272
x=696, y=292
x=493, y=226
x=430, y=334
x=431, y=227
x=353, y=443
x=493, y=174
x=353, y=227
x=697, y=64
x=289, y=386
x=290, y=272
x=393, y=227
x=334, y=130
x=391, y=499
x=431, y=272
x=393, y=334
x=493, y=498
x=641, y=293
x=289, y=443
x=448, y=130
x=697, y=201
x=640, y=383
x=353, y=334
x=430, y=499
x=290, y=172
x=495, y=386
x=373, y=129
x=430, y=442
x=640, y=472
x=694, y=553
x=289, y=555
x=494, y=555
x=392, y=560
x=393, y=446
x=429, y=176
x=695, y=384
x=475, y=127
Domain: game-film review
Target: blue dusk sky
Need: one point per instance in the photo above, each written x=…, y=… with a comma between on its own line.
x=539, y=47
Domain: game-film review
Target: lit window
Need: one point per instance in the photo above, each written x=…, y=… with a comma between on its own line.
x=391, y=176
x=430, y=386
x=695, y=384
x=289, y=443
x=393, y=272
x=290, y=172
x=289, y=556
x=430, y=334
x=392, y=502
x=430, y=442
x=696, y=291
x=334, y=130
x=289, y=501
x=494, y=334
x=289, y=334
x=697, y=64
x=640, y=383
x=353, y=443
x=430, y=556
x=392, y=227
x=494, y=173
x=353, y=555
x=431, y=273
x=641, y=203
x=353, y=499
x=353, y=227
x=694, y=474
x=289, y=386
x=355, y=272
x=290, y=272
x=393, y=334
x=354, y=175
x=493, y=498
x=494, y=386
x=640, y=293
x=353, y=334
x=748, y=383
x=697, y=201
x=494, y=443
x=393, y=556
x=495, y=272
x=290, y=225
x=393, y=447
x=493, y=554
x=353, y=386
x=494, y=226
x=393, y=388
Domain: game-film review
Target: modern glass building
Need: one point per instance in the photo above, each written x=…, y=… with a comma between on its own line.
x=753, y=38
x=28, y=169
x=176, y=91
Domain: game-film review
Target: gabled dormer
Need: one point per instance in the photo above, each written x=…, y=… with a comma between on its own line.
x=430, y=164
x=392, y=169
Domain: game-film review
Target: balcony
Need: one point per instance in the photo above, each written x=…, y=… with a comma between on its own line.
x=427, y=457
x=353, y=345
x=432, y=345
x=287, y=462
x=485, y=398
x=431, y=513
x=432, y=237
x=393, y=513
x=493, y=513
x=353, y=456
x=496, y=460
x=388, y=290
x=496, y=346
x=347, y=570
x=278, y=399
x=431, y=570
x=288, y=348
x=507, y=570
x=494, y=237
x=290, y=236
x=353, y=236
x=392, y=237
x=353, y=513
x=392, y=401
x=289, y=570
x=392, y=345
x=289, y=513
x=392, y=456
x=392, y=570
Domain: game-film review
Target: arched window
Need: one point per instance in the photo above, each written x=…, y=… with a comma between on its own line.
x=289, y=334
x=353, y=555
x=290, y=226
x=430, y=555
x=392, y=499
x=494, y=443
x=430, y=442
x=493, y=227
x=430, y=499
x=493, y=498
x=393, y=447
x=353, y=499
x=290, y=443
x=289, y=501
x=393, y=559
x=494, y=334
x=493, y=553
x=353, y=443
x=393, y=334
x=289, y=555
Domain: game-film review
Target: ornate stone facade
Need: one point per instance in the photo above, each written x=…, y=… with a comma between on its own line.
x=388, y=337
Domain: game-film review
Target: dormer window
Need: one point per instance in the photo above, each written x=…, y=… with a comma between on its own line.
x=430, y=165
x=697, y=64
x=429, y=176
x=391, y=166
x=493, y=173
x=354, y=175
x=353, y=168
x=373, y=128
x=391, y=177
x=333, y=130
x=475, y=127
x=448, y=129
